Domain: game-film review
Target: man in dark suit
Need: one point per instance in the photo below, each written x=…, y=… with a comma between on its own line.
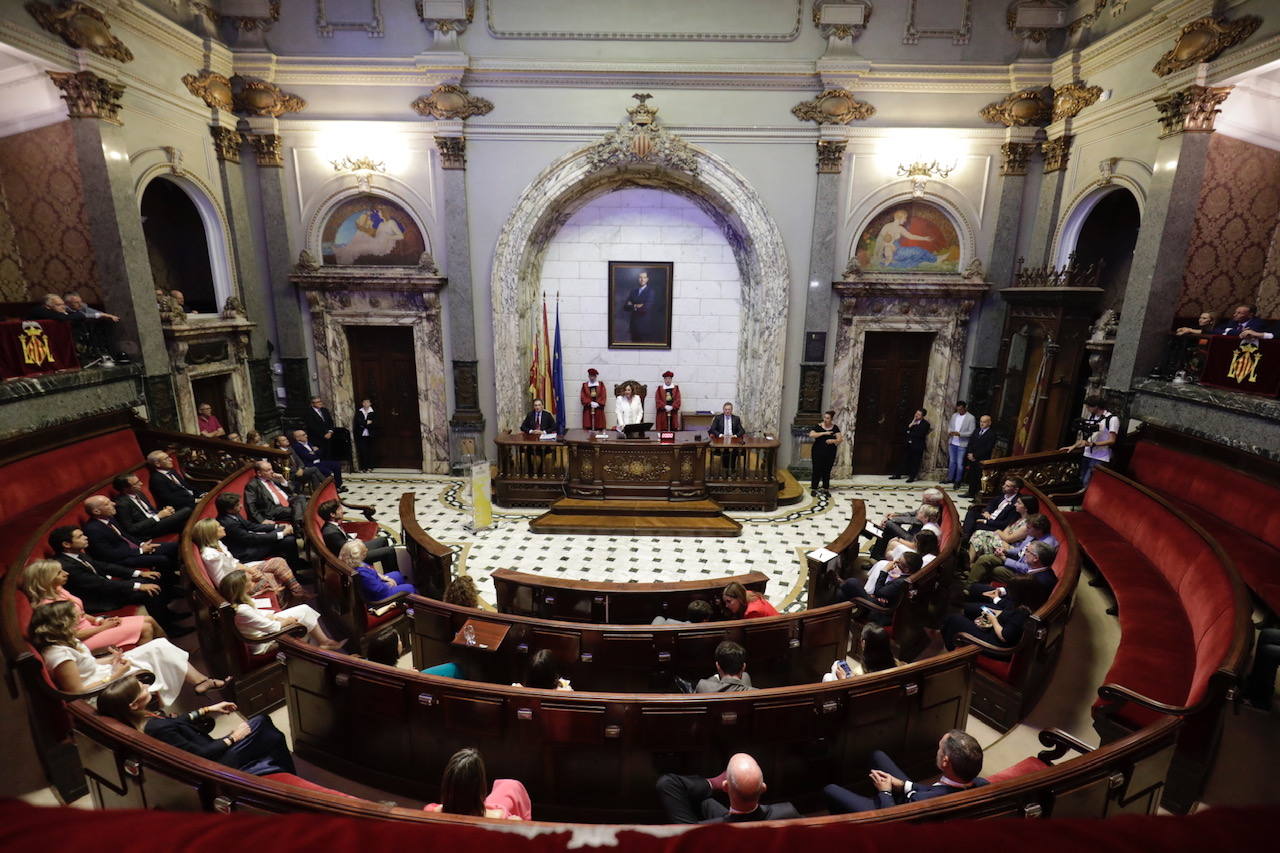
x=959, y=761
x=904, y=525
x=535, y=424
x=981, y=445
x=268, y=498
x=726, y=423
x=168, y=486
x=103, y=587
x=380, y=548
x=139, y=517
x=311, y=457
x=1242, y=320
x=249, y=541
x=689, y=799
x=109, y=543
x=917, y=431
x=999, y=512
x=333, y=441
x=52, y=308
x=641, y=306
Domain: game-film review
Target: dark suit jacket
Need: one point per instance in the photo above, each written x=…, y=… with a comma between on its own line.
x=359, y=424
x=261, y=505
x=718, y=428
x=248, y=541
x=309, y=456
x=105, y=545
x=982, y=445
x=317, y=425
x=916, y=433
x=1231, y=327
x=141, y=526
x=334, y=537
x=40, y=312
x=547, y=423
x=100, y=586
x=925, y=792
x=178, y=495
x=1001, y=519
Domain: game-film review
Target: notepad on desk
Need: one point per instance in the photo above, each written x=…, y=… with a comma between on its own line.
x=823, y=555
x=263, y=604
x=873, y=530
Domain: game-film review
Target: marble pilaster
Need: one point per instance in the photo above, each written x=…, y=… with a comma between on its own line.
x=1159, y=257
x=1056, y=153
x=204, y=349
x=943, y=307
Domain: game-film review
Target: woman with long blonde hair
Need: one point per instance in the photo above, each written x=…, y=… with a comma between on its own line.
x=271, y=575
x=44, y=582
x=256, y=623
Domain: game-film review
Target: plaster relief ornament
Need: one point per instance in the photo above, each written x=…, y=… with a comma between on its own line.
x=1070, y=99
x=833, y=106
x=640, y=139
x=255, y=97
x=448, y=101
x=88, y=95
x=1202, y=40
x=81, y=26
x=214, y=89
x=1027, y=108
x=232, y=308
x=306, y=262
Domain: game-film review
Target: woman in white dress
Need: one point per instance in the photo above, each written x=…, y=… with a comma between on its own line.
x=74, y=669
x=628, y=408
x=272, y=575
x=255, y=623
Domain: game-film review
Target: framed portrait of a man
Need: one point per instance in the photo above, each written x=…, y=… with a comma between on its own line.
x=640, y=304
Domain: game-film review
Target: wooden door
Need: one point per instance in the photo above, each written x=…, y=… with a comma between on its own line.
x=383, y=370
x=894, y=367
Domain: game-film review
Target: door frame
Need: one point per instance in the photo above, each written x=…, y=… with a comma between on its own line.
x=352, y=374
x=894, y=461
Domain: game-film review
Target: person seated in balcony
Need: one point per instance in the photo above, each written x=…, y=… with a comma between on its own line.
x=74, y=669
x=379, y=548
x=464, y=790
x=373, y=585
x=168, y=486
x=44, y=582
x=207, y=422
x=1009, y=561
x=690, y=799
x=731, y=671
x=998, y=513
x=998, y=626
x=462, y=592
x=251, y=542
x=742, y=603
x=265, y=576
x=139, y=517
x=1245, y=323
x=985, y=542
x=255, y=746
x=302, y=477
x=885, y=588
x=108, y=542
x=96, y=328
x=959, y=762
x=309, y=456
x=256, y=624
x=1205, y=324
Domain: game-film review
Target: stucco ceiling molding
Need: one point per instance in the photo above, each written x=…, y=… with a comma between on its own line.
x=493, y=23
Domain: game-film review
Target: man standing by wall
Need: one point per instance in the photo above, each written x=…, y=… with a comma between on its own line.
x=958, y=431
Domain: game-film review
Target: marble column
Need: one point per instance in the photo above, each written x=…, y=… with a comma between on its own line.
x=227, y=143
x=1017, y=158
x=466, y=427
x=119, y=245
x=262, y=135
x=1056, y=153
x=1159, y=258
x=818, y=300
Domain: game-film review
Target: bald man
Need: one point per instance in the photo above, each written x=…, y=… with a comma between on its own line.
x=109, y=542
x=691, y=799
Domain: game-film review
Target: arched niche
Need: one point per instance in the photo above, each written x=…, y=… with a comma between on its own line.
x=342, y=189
x=1080, y=208
x=199, y=233
x=952, y=203
x=715, y=187
x=1106, y=231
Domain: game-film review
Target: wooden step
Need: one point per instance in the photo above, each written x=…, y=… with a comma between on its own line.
x=609, y=524
x=790, y=490
x=578, y=506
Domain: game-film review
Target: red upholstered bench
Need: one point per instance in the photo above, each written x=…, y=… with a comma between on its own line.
x=299, y=782
x=1241, y=511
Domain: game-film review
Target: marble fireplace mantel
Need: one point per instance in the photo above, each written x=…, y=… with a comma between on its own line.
x=339, y=297
x=205, y=346
x=887, y=302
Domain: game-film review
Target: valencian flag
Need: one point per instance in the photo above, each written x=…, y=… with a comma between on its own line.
x=540, y=366
x=557, y=376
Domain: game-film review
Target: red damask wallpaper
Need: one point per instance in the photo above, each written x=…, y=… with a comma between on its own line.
x=1236, y=223
x=43, y=200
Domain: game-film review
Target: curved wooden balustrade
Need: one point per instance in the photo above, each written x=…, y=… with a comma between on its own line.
x=432, y=561
x=608, y=602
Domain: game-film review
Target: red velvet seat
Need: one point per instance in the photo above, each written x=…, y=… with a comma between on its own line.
x=1028, y=765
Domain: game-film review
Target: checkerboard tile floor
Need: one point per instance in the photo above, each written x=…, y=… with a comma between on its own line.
x=771, y=542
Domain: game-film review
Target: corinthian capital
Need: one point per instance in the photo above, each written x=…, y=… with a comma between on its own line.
x=88, y=95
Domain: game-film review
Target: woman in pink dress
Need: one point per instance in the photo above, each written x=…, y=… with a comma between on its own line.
x=43, y=582
x=464, y=790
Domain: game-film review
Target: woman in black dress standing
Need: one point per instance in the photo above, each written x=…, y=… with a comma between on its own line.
x=826, y=436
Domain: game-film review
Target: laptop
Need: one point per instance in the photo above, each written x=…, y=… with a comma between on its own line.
x=637, y=430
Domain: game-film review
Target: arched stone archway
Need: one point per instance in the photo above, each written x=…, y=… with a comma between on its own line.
x=642, y=154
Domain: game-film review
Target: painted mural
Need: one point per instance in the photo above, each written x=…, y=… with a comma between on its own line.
x=369, y=230
x=913, y=236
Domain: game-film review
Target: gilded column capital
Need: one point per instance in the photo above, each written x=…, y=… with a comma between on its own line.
x=1014, y=157
x=453, y=151
x=1056, y=153
x=267, y=149
x=1190, y=110
x=88, y=95
x=226, y=143
x=831, y=156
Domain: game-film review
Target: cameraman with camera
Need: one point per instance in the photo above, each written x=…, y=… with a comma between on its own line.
x=1098, y=433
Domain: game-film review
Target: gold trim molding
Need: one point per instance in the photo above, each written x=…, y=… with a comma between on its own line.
x=448, y=101
x=1071, y=99
x=1190, y=110
x=267, y=149
x=640, y=139
x=212, y=88
x=1202, y=40
x=81, y=26
x=1025, y=108
x=88, y=95
x=256, y=97
x=833, y=106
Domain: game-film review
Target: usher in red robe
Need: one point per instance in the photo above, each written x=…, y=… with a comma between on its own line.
x=601, y=397
x=667, y=421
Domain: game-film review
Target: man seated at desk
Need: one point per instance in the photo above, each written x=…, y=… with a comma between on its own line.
x=628, y=408
x=724, y=425
x=535, y=425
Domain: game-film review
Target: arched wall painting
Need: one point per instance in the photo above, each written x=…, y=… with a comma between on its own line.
x=913, y=236
x=369, y=230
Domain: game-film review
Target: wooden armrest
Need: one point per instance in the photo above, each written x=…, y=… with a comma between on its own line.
x=989, y=649
x=143, y=675
x=298, y=631
x=1059, y=743
x=1116, y=693
x=862, y=603
x=391, y=599
x=364, y=508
